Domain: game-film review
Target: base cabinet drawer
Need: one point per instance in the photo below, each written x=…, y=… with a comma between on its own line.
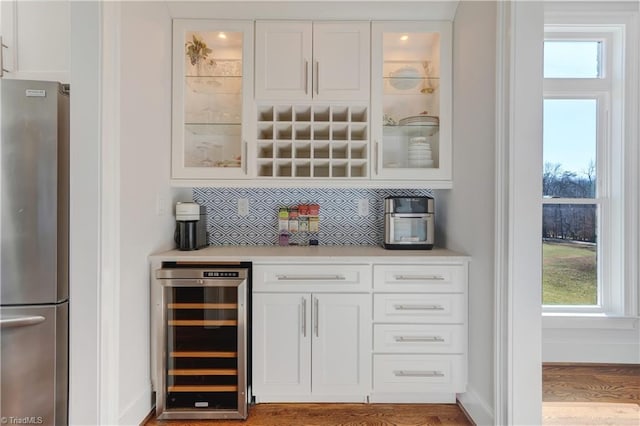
x=419, y=308
x=312, y=277
x=420, y=278
x=419, y=338
x=419, y=373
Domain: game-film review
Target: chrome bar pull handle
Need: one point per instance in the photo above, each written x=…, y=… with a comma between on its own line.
x=304, y=317
x=375, y=153
x=419, y=277
x=310, y=277
x=2, y=47
x=317, y=78
x=413, y=339
x=306, y=76
x=419, y=307
x=417, y=373
x=245, y=159
x=316, y=317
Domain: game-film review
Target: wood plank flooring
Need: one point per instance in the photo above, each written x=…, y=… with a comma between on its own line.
x=339, y=415
x=591, y=394
x=573, y=394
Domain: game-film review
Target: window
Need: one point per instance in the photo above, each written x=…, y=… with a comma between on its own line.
x=583, y=146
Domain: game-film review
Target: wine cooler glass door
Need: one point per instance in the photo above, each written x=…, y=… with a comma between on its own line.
x=205, y=374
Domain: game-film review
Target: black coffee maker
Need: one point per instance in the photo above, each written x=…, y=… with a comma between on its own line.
x=191, y=226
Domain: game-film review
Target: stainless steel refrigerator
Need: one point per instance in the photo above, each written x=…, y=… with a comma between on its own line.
x=34, y=271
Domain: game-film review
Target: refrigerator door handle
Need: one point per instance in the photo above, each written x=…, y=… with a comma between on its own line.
x=21, y=321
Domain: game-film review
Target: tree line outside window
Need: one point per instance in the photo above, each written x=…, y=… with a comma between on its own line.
x=569, y=222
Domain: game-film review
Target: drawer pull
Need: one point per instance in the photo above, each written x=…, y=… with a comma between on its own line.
x=310, y=277
x=418, y=339
x=418, y=307
x=419, y=277
x=416, y=373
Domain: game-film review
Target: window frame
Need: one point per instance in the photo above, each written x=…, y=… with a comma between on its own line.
x=607, y=90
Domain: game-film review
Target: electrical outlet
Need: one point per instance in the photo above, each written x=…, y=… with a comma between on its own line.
x=363, y=207
x=243, y=206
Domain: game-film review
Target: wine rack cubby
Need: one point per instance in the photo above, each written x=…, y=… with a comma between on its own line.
x=313, y=141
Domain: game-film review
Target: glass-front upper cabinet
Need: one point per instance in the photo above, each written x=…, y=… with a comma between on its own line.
x=411, y=101
x=212, y=90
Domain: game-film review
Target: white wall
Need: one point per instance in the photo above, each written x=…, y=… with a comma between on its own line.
x=84, y=301
x=465, y=214
x=145, y=138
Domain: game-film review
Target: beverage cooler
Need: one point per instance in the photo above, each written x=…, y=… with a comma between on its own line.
x=200, y=334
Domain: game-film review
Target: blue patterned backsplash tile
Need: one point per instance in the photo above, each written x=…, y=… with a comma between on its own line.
x=339, y=220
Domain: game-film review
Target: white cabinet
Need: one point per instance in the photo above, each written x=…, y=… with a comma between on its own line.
x=411, y=107
x=212, y=91
x=36, y=40
x=311, y=345
x=419, y=332
x=325, y=61
x=281, y=344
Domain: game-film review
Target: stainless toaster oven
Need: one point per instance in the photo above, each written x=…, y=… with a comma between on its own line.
x=409, y=223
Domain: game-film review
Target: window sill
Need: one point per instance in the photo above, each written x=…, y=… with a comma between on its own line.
x=588, y=321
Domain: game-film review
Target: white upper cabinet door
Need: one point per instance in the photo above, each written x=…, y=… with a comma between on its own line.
x=281, y=344
x=341, y=60
x=283, y=60
x=212, y=93
x=341, y=344
x=312, y=60
x=411, y=107
x=36, y=40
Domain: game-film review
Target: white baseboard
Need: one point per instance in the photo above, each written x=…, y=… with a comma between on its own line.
x=476, y=408
x=413, y=398
x=137, y=410
x=590, y=352
x=259, y=399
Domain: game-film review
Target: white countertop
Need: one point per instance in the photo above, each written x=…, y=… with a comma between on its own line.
x=307, y=253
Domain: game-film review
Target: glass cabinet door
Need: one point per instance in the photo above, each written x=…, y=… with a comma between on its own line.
x=212, y=66
x=411, y=101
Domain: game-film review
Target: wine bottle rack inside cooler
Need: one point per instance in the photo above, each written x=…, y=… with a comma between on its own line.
x=204, y=375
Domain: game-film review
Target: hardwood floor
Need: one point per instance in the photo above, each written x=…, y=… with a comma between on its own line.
x=339, y=415
x=573, y=395
x=591, y=394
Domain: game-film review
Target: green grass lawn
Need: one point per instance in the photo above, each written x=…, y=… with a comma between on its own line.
x=568, y=274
